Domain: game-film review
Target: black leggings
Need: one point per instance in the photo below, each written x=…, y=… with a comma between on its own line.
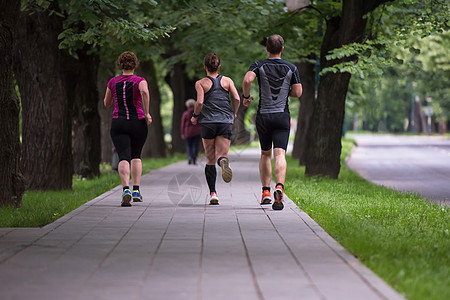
x=128, y=137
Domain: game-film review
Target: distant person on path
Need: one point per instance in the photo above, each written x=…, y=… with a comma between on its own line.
x=277, y=79
x=215, y=114
x=190, y=132
x=129, y=126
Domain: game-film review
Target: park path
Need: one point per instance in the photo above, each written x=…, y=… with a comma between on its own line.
x=416, y=164
x=174, y=246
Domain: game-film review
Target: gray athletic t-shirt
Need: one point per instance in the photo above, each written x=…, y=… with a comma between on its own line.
x=216, y=105
x=275, y=77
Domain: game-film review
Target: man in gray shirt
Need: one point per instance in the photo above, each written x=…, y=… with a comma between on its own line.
x=277, y=80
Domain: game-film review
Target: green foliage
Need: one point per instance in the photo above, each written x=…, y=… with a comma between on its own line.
x=381, y=102
x=97, y=22
x=401, y=237
x=405, y=54
x=100, y=21
x=393, y=25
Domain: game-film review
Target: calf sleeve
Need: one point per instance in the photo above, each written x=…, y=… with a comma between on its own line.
x=211, y=174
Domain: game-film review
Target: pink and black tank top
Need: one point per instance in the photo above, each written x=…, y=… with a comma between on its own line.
x=127, y=97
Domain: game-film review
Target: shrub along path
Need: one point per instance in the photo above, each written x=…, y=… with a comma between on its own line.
x=175, y=246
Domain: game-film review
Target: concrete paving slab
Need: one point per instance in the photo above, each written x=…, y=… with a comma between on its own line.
x=175, y=246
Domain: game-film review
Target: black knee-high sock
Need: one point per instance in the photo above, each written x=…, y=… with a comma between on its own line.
x=211, y=174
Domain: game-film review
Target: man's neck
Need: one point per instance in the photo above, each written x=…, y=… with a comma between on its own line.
x=274, y=55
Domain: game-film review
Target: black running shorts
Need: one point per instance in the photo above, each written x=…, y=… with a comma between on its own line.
x=128, y=137
x=213, y=130
x=273, y=129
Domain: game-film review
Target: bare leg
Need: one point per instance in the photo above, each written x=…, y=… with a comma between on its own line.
x=280, y=165
x=222, y=147
x=265, y=167
x=136, y=171
x=210, y=151
x=124, y=172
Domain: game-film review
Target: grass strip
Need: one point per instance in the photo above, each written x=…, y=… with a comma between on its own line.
x=401, y=237
x=43, y=207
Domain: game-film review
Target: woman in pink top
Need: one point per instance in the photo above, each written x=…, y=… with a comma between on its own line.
x=129, y=126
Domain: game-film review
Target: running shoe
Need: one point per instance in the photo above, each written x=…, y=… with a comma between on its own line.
x=266, y=198
x=278, y=204
x=213, y=199
x=126, y=198
x=227, y=174
x=137, y=197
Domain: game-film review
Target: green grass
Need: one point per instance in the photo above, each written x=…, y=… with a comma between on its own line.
x=401, y=237
x=43, y=207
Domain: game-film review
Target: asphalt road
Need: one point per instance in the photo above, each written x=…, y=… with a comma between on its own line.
x=418, y=164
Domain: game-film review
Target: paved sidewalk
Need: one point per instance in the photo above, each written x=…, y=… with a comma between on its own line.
x=174, y=246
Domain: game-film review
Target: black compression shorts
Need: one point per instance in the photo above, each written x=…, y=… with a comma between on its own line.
x=273, y=129
x=129, y=137
x=213, y=130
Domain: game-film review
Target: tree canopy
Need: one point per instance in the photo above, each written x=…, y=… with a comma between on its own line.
x=400, y=48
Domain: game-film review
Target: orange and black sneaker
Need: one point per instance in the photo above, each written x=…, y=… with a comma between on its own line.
x=278, y=203
x=266, y=197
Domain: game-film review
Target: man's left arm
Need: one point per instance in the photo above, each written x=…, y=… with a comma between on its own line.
x=296, y=85
x=296, y=90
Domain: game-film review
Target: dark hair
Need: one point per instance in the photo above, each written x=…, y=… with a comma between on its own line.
x=275, y=44
x=127, y=61
x=212, y=62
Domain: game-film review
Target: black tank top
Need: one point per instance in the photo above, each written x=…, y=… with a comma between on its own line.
x=216, y=105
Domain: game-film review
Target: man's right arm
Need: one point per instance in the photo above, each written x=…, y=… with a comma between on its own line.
x=247, y=86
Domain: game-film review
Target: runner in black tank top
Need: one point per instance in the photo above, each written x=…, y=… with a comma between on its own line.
x=277, y=80
x=216, y=115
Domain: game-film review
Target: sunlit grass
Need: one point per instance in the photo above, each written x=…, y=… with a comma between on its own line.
x=401, y=237
x=43, y=207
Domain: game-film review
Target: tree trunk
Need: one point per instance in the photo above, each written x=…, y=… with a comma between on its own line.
x=442, y=126
x=105, y=123
x=46, y=118
x=420, y=119
x=182, y=89
x=106, y=72
x=81, y=75
x=11, y=180
x=155, y=145
x=307, y=76
x=324, y=143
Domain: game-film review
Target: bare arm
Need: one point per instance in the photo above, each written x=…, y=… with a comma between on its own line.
x=143, y=88
x=234, y=93
x=296, y=90
x=247, y=86
x=108, y=98
x=199, y=103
